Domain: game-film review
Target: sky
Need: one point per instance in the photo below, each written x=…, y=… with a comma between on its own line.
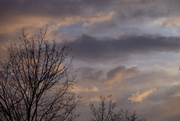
x=126, y=48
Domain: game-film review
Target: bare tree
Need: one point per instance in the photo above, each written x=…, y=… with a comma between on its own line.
x=35, y=83
x=107, y=113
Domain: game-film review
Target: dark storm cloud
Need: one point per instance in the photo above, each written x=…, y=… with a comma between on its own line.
x=147, y=8
x=93, y=49
x=126, y=9
x=50, y=7
x=24, y=13
x=20, y=13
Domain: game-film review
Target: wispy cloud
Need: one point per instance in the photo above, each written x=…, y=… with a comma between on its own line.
x=99, y=17
x=173, y=22
x=140, y=96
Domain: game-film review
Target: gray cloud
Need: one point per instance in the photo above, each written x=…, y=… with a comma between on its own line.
x=126, y=9
x=50, y=7
x=119, y=74
x=89, y=74
x=91, y=49
x=130, y=15
x=162, y=99
x=20, y=13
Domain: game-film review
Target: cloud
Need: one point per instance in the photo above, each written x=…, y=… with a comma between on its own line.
x=140, y=96
x=21, y=13
x=89, y=74
x=95, y=99
x=176, y=94
x=120, y=73
x=138, y=1
x=100, y=17
x=170, y=111
x=173, y=22
x=106, y=13
x=78, y=89
x=89, y=48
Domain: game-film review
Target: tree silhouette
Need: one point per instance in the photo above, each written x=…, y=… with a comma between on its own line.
x=35, y=82
x=107, y=113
